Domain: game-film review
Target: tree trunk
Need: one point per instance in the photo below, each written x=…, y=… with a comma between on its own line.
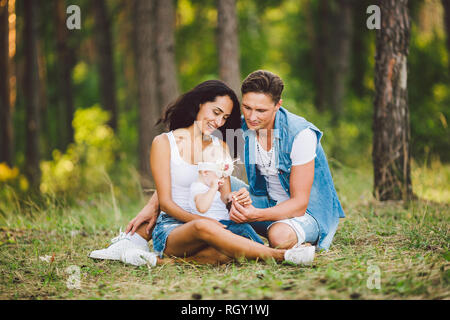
x=165, y=48
x=31, y=93
x=331, y=53
x=339, y=56
x=391, y=131
x=229, y=66
x=319, y=41
x=6, y=133
x=446, y=5
x=65, y=62
x=105, y=60
x=360, y=48
x=149, y=110
x=228, y=44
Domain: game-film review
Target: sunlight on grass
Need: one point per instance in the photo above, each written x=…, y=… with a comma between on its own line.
x=432, y=182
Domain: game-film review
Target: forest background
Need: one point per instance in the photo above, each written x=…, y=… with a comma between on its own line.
x=78, y=107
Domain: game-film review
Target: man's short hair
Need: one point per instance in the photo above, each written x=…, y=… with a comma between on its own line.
x=262, y=81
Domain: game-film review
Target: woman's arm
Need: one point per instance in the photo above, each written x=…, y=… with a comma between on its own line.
x=148, y=214
x=160, y=165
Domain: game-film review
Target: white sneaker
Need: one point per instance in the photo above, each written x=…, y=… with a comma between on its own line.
x=300, y=254
x=138, y=257
x=119, y=245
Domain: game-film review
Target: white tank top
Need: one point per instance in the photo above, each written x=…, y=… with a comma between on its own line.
x=182, y=174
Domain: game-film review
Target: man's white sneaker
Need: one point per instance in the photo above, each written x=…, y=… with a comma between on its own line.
x=138, y=257
x=300, y=255
x=119, y=245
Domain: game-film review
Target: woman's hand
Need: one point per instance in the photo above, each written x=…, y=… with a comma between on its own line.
x=148, y=214
x=242, y=196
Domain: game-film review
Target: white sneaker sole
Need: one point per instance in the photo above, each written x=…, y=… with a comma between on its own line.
x=101, y=256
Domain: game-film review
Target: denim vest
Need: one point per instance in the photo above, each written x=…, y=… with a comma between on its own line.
x=324, y=204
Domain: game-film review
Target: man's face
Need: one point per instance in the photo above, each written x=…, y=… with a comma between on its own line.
x=259, y=110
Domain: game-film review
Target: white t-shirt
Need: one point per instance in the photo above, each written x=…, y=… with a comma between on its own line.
x=303, y=151
x=218, y=209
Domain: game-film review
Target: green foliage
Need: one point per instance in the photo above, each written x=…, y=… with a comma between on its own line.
x=429, y=95
x=84, y=165
x=196, y=52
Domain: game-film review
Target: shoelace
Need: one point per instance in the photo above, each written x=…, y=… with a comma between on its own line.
x=121, y=236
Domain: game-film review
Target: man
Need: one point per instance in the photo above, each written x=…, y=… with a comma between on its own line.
x=294, y=199
x=293, y=196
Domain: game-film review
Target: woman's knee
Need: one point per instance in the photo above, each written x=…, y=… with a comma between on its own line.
x=204, y=228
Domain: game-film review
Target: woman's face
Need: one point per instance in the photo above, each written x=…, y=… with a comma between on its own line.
x=213, y=115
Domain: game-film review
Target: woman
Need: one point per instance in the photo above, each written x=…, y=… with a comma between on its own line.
x=192, y=119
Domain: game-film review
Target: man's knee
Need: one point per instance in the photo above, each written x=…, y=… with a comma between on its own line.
x=282, y=236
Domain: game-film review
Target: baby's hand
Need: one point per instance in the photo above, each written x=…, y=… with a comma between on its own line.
x=217, y=183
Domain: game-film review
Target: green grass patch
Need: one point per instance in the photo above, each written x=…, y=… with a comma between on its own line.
x=403, y=246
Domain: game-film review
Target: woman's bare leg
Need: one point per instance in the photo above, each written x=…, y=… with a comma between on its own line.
x=203, y=253
x=141, y=231
x=209, y=255
x=192, y=237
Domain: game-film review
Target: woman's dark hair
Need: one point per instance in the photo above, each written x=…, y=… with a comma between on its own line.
x=183, y=112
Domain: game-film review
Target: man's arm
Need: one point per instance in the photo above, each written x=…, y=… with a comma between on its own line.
x=301, y=180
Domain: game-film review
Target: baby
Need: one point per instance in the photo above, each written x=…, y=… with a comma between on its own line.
x=206, y=197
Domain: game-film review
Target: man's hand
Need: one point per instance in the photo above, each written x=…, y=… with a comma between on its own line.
x=147, y=214
x=240, y=214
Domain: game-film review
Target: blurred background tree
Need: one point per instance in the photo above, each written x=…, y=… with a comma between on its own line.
x=132, y=58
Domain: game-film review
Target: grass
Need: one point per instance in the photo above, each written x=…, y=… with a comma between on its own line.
x=405, y=246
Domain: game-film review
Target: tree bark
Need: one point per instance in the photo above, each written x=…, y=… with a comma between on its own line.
x=31, y=93
x=66, y=60
x=105, y=60
x=165, y=45
x=228, y=44
x=6, y=128
x=391, y=131
x=149, y=110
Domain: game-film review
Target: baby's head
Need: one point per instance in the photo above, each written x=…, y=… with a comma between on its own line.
x=217, y=164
